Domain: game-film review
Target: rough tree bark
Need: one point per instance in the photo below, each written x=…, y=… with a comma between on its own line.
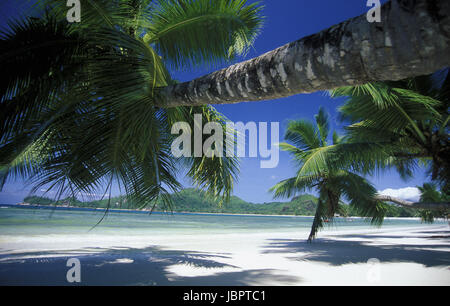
x=415, y=205
x=412, y=39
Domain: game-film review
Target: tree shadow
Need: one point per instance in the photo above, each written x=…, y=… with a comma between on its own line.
x=419, y=234
x=259, y=277
x=340, y=252
x=118, y=266
x=372, y=236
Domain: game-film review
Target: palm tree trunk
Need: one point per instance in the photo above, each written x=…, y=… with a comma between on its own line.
x=317, y=222
x=415, y=205
x=412, y=39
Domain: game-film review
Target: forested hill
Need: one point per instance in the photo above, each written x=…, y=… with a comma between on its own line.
x=191, y=200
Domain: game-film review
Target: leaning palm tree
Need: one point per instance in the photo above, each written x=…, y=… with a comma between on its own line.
x=78, y=101
x=403, y=124
x=309, y=147
x=412, y=39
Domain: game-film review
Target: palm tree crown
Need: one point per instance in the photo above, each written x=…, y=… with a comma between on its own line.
x=77, y=105
x=309, y=149
x=401, y=124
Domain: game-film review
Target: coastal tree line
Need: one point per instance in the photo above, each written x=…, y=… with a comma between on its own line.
x=194, y=201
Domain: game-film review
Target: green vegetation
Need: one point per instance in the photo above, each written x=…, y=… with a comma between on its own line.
x=81, y=112
x=430, y=193
x=78, y=104
x=192, y=200
x=310, y=145
x=402, y=125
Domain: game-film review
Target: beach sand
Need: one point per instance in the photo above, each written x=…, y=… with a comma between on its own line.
x=386, y=256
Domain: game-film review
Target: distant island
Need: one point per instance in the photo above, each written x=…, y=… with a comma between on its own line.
x=195, y=201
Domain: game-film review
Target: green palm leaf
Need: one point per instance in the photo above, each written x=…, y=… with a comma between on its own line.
x=216, y=175
x=302, y=134
x=84, y=117
x=323, y=125
x=188, y=32
x=327, y=168
x=407, y=120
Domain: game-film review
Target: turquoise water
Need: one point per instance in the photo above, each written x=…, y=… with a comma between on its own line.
x=33, y=221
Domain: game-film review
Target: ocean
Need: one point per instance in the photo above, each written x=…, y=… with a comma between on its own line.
x=38, y=221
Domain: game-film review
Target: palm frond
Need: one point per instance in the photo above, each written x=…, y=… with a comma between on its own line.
x=360, y=194
x=216, y=174
x=407, y=119
x=94, y=13
x=336, y=138
x=292, y=186
x=84, y=117
x=89, y=137
x=316, y=161
x=302, y=134
x=55, y=55
x=189, y=33
x=323, y=125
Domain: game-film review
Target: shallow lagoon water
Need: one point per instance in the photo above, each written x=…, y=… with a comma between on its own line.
x=38, y=221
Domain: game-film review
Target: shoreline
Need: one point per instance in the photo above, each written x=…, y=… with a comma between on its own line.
x=122, y=210
x=403, y=256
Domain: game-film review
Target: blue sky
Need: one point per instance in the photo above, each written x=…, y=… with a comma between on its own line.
x=286, y=21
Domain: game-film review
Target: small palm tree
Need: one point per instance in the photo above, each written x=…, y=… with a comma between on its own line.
x=310, y=148
x=77, y=104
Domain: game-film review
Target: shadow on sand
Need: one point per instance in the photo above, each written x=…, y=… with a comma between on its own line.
x=125, y=266
x=361, y=248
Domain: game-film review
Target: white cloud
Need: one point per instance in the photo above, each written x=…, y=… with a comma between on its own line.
x=408, y=193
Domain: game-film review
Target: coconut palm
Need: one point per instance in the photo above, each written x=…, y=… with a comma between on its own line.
x=78, y=101
x=403, y=124
x=309, y=148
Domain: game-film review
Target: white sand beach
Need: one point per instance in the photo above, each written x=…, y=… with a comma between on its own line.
x=386, y=256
